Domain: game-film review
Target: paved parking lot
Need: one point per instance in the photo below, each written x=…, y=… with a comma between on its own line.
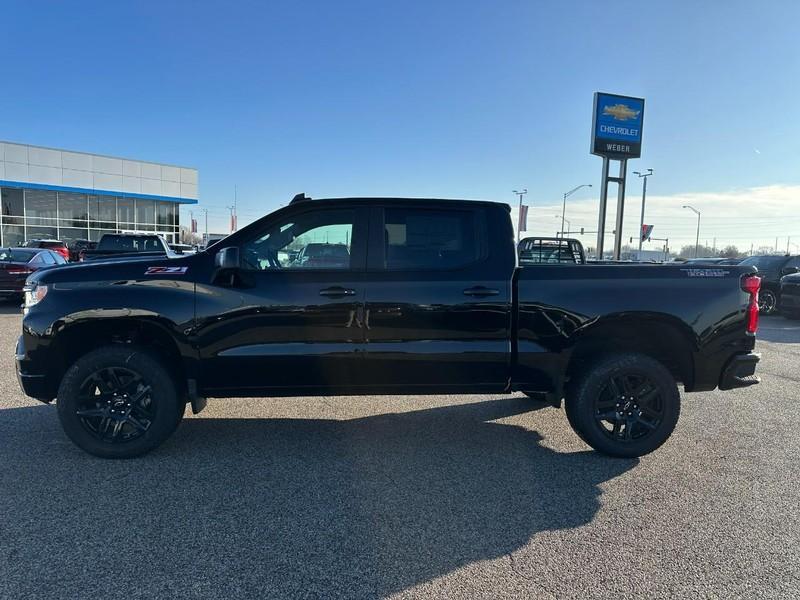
x=450, y=496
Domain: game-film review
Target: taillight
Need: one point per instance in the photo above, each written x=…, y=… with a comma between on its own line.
x=63, y=252
x=751, y=284
x=21, y=271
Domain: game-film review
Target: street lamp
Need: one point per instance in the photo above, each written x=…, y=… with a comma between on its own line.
x=520, y=193
x=564, y=204
x=569, y=224
x=644, y=194
x=697, y=239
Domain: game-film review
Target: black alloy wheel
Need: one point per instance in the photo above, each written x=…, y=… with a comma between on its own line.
x=629, y=408
x=120, y=401
x=115, y=405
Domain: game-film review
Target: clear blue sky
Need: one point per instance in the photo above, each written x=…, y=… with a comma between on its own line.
x=459, y=99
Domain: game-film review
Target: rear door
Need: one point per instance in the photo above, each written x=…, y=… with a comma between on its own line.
x=438, y=298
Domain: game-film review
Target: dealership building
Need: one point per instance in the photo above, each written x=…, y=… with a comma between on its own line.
x=49, y=193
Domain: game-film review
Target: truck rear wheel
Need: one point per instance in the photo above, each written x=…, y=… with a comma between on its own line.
x=624, y=405
x=118, y=402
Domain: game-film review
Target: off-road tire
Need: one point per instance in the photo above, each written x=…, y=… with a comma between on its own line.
x=594, y=386
x=165, y=406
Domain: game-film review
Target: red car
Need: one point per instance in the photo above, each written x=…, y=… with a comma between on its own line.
x=17, y=263
x=54, y=245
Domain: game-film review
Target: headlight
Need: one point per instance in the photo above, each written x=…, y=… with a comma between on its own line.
x=34, y=294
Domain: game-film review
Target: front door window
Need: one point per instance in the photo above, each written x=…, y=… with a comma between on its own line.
x=312, y=240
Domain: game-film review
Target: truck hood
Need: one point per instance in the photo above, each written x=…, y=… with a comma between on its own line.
x=116, y=270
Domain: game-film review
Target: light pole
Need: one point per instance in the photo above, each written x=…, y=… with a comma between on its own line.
x=564, y=203
x=697, y=239
x=569, y=224
x=644, y=195
x=520, y=193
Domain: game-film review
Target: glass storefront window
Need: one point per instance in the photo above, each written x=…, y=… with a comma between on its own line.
x=36, y=214
x=73, y=209
x=13, y=205
x=125, y=213
x=163, y=213
x=145, y=213
x=13, y=235
x=67, y=234
x=40, y=233
x=96, y=234
x=40, y=207
x=103, y=212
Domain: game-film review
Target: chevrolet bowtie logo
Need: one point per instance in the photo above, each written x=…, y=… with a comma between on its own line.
x=620, y=112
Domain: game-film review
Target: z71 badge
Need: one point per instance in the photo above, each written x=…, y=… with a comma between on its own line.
x=166, y=270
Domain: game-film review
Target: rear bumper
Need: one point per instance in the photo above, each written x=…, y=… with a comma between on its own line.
x=740, y=371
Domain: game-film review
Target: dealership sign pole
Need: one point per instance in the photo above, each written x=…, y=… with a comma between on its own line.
x=616, y=135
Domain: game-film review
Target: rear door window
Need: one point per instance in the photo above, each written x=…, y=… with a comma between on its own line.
x=431, y=239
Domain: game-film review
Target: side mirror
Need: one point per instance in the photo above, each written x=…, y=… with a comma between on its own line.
x=227, y=258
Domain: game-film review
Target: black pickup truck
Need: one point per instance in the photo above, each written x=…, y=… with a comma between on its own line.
x=425, y=297
x=125, y=245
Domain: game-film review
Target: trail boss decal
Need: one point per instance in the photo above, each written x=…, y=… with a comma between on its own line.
x=166, y=270
x=706, y=272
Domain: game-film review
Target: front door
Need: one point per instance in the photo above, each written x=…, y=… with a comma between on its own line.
x=290, y=321
x=438, y=303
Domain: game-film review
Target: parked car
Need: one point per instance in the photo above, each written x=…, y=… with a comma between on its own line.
x=771, y=268
x=17, y=263
x=78, y=246
x=428, y=300
x=716, y=261
x=126, y=245
x=790, y=296
x=54, y=245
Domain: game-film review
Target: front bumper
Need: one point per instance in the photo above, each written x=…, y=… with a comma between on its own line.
x=740, y=371
x=34, y=385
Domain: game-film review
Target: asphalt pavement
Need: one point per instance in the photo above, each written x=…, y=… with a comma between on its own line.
x=409, y=497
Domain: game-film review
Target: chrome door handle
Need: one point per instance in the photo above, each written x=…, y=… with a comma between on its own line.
x=337, y=292
x=480, y=290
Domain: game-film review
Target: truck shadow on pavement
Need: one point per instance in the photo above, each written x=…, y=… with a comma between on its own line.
x=284, y=507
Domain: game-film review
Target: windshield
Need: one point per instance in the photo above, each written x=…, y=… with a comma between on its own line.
x=130, y=243
x=764, y=262
x=322, y=250
x=13, y=255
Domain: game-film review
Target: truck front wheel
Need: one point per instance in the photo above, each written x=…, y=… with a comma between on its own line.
x=118, y=402
x=624, y=405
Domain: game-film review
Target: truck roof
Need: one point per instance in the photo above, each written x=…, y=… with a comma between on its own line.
x=303, y=199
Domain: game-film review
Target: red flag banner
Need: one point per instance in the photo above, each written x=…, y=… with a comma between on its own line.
x=647, y=231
